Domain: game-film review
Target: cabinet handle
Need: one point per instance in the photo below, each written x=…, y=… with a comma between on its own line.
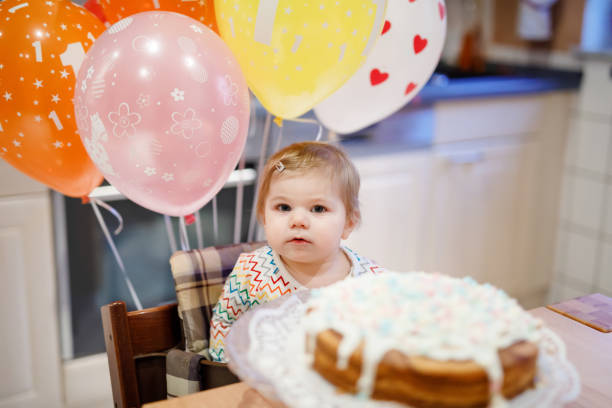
x=466, y=157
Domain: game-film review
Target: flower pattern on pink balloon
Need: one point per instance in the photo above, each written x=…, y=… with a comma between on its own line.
x=177, y=95
x=175, y=107
x=143, y=100
x=124, y=121
x=185, y=124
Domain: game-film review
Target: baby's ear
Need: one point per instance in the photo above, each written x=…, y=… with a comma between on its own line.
x=352, y=221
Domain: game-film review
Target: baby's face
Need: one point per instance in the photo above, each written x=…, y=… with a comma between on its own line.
x=304, y=216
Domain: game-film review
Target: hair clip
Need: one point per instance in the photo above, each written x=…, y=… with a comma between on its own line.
x=279, y=166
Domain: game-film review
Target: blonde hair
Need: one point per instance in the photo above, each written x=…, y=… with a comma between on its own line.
x=300, y=157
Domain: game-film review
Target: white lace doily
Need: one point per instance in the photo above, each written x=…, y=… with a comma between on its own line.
x=266, y=350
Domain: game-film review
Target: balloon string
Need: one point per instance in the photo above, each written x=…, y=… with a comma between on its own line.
x=308, y=120
x=260, y=164
x=94, y=204
x=199, y=229
x=279, y=138
x=215, y=220
x=183, y=234
x=112, y=211
x=170, y=233
x=239, y=199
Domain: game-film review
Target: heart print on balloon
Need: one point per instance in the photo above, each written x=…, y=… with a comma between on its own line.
x=400, y=64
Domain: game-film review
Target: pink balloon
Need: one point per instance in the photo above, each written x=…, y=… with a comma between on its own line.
x=163, y=110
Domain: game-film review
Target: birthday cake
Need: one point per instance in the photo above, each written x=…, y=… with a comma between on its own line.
x=426, y=340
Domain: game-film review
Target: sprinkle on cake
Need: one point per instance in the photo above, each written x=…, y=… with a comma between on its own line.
x=419, y=314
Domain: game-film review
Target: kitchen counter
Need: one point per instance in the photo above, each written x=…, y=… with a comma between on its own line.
x=412, y=127
x=488, y=86
x=495, y=80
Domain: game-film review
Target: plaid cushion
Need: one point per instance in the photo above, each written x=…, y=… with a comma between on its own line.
x=199, y=276
x=188, y=372
x=182, y=373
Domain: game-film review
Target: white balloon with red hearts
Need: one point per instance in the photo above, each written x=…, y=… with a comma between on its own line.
x=399, y=65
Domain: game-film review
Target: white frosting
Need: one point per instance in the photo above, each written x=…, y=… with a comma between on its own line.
x=420, y=314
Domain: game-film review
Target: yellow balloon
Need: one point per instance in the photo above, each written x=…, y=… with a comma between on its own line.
x=296, y=53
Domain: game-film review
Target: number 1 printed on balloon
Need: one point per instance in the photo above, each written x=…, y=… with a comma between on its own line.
x=264, y=22
x=12, y=10
x=37, y=85
x=56, y=120
x=73, y=56
x=38, y=49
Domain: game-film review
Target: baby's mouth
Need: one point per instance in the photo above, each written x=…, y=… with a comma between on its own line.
x=299, y=241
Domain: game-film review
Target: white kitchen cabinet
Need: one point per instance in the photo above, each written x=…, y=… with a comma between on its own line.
x=480, y=212
x=461, y=211
x=31, y=371
x=482, y=201
x=393, y=194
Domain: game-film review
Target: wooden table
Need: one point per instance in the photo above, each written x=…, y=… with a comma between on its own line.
x=591, y=353
x=588, y=349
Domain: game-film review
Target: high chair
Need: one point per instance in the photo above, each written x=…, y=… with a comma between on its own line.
x=141, y=344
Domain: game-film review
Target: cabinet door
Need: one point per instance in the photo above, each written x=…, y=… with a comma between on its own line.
x=29, y=346
x=393, y=193
x=480, y=223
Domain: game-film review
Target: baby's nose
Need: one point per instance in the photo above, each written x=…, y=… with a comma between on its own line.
x=299, y=219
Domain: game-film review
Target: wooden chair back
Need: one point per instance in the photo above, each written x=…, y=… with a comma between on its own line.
x=136, y=345
x=137, y=342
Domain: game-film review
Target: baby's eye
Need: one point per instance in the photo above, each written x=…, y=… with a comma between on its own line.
x=283, y=207
x=318, y=209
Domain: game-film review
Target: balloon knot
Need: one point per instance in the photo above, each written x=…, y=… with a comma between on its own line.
x=279, y=121
x=189, y=219
x=85, y=200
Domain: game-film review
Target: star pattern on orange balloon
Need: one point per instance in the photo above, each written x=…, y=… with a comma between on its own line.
x=43, y=44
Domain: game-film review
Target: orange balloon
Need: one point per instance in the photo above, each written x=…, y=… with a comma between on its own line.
x=201, y=10
x=43, y=44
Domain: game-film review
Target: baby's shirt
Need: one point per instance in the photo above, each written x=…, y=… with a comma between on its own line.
x=259, y=277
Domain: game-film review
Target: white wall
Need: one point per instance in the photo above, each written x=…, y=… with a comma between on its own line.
x=583, y=261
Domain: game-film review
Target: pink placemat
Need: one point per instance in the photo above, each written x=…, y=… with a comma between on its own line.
x=594, y=310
